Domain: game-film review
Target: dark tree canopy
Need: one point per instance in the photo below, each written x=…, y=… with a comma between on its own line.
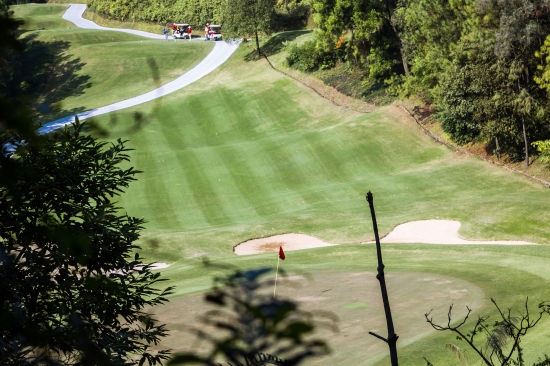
x=248, y=18
x=73, y=287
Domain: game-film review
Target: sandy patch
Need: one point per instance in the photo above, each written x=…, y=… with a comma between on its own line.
x=272, y=243
x=159, y=265
x=424, y=231
x=436, y=232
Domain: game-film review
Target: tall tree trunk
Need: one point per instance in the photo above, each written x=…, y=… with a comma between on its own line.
x=391, y=340
x=257, y=43
x=525, y=142
x=401, y=49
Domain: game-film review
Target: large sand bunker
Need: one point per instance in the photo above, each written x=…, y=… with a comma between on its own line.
x=425, y=231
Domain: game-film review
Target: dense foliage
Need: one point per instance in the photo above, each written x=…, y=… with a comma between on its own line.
x=63, y=246
x=282, y=15
x=475, y=60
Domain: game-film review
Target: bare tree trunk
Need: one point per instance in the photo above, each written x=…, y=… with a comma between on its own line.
x=525, y=142
x=392, y=337
x=257, y=43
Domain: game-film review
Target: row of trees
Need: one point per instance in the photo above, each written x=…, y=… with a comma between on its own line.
x=235, y=15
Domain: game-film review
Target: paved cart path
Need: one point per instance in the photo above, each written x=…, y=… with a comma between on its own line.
x=221, y=53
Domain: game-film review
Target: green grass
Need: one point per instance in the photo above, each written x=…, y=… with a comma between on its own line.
x=246, y=152
x=234, y=158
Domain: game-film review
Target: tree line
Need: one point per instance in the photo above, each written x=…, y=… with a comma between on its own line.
x=280, y=15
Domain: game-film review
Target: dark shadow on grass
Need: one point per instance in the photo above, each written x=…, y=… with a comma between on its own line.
x=47, y=74
x=276, y=43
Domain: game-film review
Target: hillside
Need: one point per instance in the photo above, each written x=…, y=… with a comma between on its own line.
x=248, y=151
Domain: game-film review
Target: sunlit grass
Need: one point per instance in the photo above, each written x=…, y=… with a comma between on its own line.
x=247, y=152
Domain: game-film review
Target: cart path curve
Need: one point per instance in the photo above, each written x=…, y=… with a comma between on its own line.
x=221, y=52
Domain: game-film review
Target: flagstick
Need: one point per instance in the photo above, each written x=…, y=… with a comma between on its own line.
x=276, y=275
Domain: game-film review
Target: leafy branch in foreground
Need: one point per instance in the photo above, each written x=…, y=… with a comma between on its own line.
x=74, y=289
x=248, y=326
x=498, y=343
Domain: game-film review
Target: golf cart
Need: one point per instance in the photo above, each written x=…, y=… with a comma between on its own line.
x=179, y=30
x=215, y=33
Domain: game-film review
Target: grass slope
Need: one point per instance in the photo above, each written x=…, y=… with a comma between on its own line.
x=233, y=158
x=246, y=152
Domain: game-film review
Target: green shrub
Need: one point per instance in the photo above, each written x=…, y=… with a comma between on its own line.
x=308, y=57
x=291, y=15
x=543, y=148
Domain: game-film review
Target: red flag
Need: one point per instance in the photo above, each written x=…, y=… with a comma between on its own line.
x=281, y=253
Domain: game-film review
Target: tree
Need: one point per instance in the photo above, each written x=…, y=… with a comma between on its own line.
x=486, y=94
x=522, y=29
x=366, y=30
x=543, y=148
x=429, y=30
x=72, y=289
x=499, y=343
x=242, y=18
x=73, y=286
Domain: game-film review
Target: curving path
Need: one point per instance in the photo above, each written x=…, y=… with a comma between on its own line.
x=221, y=53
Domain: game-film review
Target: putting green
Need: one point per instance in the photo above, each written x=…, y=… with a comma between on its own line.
x=353, y=298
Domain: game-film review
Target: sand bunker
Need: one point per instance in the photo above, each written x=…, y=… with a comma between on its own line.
x=272, y=243
x=159, y=265
x=425, y=231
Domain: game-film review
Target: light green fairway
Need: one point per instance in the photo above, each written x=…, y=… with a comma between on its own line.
x=234, y=158
x=256, y=160
x=247, y=152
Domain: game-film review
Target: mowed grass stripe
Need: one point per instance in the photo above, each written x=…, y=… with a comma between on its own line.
x=205, y=132
x=161, y=183
x=207, y=168
x=201, y=167
x=194, y=168
x=215, y=118
x=248, y=168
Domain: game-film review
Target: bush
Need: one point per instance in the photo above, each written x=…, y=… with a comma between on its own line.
x=291, y=16
x=543, y=148
x=308, y=57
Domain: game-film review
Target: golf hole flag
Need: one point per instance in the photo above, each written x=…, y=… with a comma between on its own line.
x=281, y=253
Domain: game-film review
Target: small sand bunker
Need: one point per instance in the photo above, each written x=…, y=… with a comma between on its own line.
x=435, y=232
x=159, y=265
x=424, y=231
x=272, y=243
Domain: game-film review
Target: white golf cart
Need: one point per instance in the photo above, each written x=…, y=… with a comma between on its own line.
x=179, y=30
x=215, y=33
